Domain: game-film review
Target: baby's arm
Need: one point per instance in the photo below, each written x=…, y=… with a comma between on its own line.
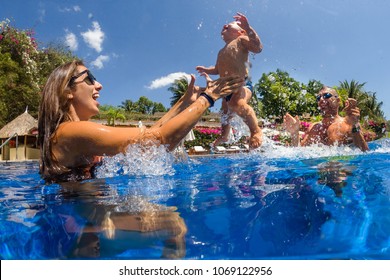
x=253, y=42
x=211, y=70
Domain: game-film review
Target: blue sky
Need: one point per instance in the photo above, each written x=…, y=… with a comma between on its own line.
x=135, y=47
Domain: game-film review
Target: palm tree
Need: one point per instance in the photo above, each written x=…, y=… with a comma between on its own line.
x=367, y=101
x=114, y=114
x=129, y=106
x=373, y=108
x=178, y=89
x=356, y=91
x=353, y=88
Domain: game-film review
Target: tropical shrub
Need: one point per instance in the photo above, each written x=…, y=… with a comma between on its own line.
x=24, y=70
x=204, y=136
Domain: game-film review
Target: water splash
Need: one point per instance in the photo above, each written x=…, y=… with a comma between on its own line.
x=157, y=161
x=272, y=150
x=138, y=160
x=240, y=128
x=380, y=146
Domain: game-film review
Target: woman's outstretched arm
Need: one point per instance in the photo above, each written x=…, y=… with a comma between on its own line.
x=187, y=99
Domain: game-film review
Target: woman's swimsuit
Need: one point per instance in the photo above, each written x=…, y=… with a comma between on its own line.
x=78, y=173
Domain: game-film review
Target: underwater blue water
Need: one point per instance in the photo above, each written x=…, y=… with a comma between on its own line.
x=278, y=203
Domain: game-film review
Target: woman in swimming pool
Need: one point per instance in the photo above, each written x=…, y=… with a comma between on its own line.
x=71, y=145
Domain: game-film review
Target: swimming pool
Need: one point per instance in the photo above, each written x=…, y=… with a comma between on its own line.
x=281, y=203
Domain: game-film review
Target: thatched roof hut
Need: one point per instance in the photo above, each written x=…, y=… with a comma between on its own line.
x=24, y=124
x=18, y=139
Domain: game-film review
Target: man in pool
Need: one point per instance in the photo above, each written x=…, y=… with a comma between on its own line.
x=333, y=129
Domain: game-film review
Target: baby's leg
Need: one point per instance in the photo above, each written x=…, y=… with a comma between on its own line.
x=239, y=105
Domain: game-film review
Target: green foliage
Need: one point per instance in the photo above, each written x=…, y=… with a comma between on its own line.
x=129, y=106
x=103, y=111
x=369, y=106
x=143, y=106
x=114, y=114
x=310, y=107
x=107, y=110
x=22, y=47
x=256, y=104
x=178, y=89
x=18, y=72
x=111, y=114
x=50, y=58
x=24, y=70
x=279, y=94
x=159, y=107
x=8, y=79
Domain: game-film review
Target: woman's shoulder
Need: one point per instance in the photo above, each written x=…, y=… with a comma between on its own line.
x=76, y=124
x=77, y=128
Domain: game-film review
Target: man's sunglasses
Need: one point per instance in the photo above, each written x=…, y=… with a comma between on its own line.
x=326, y=95
x=89, y=80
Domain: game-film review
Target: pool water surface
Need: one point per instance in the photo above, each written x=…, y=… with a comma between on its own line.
x=278, y=203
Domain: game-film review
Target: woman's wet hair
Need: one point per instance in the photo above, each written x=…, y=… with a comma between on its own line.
x=54, y=109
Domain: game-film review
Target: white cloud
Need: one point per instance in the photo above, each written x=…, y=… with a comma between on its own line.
x=71, y=41
x=98, y=62
x=167, y=80
x=94, y=38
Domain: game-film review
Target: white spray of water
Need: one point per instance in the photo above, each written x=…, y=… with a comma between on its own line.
x=200, y=25
x=272, y=150
x=157, y=161
x=138, y=160
x=240, y=128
